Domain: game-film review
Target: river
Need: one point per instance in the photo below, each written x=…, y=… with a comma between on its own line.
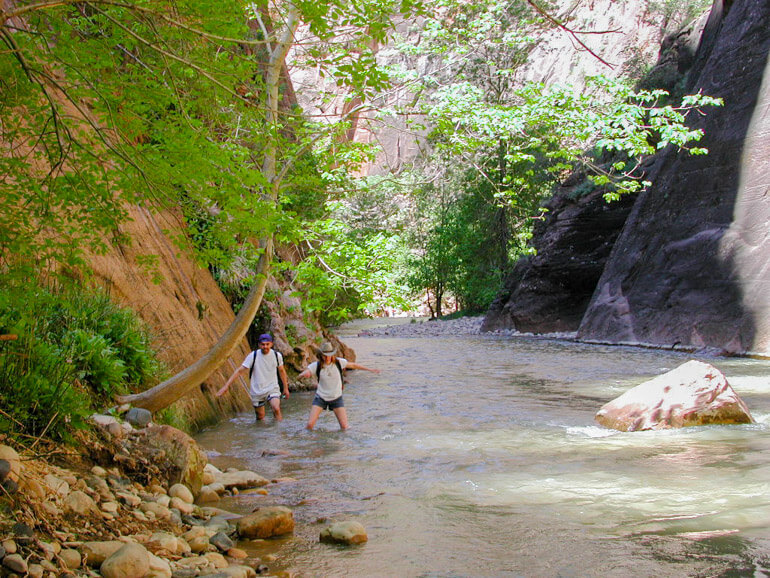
x=477, y=455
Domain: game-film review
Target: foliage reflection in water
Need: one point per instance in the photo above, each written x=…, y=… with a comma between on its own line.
x=479, y=456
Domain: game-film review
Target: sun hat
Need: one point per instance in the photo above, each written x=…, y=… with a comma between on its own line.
x=327, y=348
x=265, y=337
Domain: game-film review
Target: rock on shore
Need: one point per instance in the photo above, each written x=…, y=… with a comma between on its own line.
x=132, y=516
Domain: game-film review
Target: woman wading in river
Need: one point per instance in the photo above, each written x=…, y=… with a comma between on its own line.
x=328, y=372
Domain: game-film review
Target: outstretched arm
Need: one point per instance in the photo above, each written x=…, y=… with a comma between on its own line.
x=304, y=374
x=352, y=365
x=232, y=378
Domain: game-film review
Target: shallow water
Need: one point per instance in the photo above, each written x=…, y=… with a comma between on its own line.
x=478, y=455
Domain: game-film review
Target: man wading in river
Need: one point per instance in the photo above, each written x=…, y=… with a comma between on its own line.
x=265, y=366
x=328, y=372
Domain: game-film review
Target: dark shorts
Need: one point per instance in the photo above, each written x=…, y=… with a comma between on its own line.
x=323, y=404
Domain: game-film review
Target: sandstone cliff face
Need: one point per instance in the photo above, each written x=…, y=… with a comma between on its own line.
x=692, y=266
x=183, y=306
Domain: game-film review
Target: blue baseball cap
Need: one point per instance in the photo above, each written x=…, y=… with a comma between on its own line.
x=264, y=338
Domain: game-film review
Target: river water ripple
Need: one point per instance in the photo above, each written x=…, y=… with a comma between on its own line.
x=477, y=455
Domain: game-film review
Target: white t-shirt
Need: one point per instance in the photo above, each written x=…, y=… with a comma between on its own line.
x=330, y=381
x=264, y=378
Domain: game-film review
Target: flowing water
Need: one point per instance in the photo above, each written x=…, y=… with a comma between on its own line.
x=476, y=455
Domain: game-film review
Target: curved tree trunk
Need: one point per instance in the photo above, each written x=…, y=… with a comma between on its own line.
x=167, y=392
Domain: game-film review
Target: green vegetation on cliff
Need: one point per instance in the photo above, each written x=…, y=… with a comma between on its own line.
x=71, y=351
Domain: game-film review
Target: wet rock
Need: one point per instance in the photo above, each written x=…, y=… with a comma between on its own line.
x=695, y=393
x=138, y=417
x=130, y=561
x=238, y=571
x=222, y=541
x=237, y=554
x=242, y=479
x=266, y=522
x=349, y=532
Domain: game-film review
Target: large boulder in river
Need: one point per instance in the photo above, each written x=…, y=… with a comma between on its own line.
x=694, y=393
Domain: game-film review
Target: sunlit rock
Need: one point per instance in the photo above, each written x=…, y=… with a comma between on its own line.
x=694, y=393
x=266, y=522
x=349, y=532
x=129, y=561
x=241, y=479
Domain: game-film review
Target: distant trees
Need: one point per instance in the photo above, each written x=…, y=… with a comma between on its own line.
x=498, y=147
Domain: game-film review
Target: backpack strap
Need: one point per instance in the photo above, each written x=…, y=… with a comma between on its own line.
x=253, y=363
x=278, y=373
x=339, y=368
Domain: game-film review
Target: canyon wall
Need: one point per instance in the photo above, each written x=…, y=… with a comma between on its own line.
x=692, y=265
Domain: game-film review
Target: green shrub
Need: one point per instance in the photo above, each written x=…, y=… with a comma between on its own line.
x=75, y=349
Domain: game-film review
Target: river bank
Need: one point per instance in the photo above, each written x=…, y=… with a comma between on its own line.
x=131, y=503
